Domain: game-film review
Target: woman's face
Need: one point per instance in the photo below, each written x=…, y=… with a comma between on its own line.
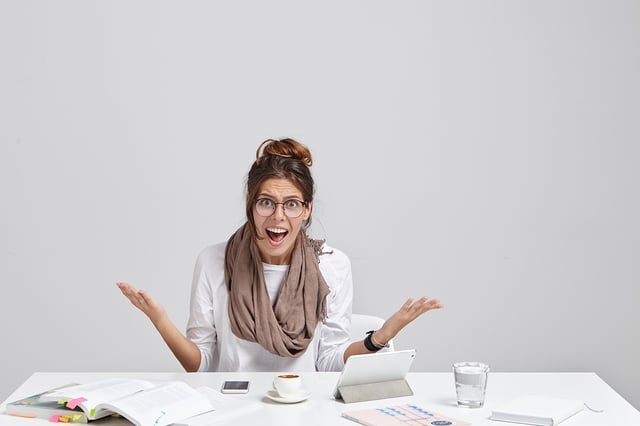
x=277, y=233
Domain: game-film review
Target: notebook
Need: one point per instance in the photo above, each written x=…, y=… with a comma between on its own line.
x=537, y=410
x=374, y=368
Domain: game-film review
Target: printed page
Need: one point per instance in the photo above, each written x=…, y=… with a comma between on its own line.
x=161, y=405
x=225, y=407
x=401, y=415
x=89, y=395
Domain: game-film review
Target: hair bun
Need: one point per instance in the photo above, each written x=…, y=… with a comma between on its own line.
x=287, y=148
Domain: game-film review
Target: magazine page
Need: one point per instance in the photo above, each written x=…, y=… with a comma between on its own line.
x=89, y=395
x=161, y=405
x=225, y=407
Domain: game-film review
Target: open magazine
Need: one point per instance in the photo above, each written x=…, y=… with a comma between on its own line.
x=139, y=401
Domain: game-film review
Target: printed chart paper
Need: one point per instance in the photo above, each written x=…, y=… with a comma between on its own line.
x=401, y=415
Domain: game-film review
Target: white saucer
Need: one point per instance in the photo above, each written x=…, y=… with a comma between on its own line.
x=299, y=397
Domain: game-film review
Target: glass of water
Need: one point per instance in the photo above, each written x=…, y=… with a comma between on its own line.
x=471, y=383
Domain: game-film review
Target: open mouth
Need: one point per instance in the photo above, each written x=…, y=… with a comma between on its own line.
x=276, y=235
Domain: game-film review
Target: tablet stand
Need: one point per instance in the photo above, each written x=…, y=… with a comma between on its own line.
x=378, y=390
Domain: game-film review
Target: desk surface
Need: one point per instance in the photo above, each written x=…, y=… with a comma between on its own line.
x=433, y=391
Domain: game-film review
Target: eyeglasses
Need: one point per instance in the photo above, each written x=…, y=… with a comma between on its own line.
x=292, y=208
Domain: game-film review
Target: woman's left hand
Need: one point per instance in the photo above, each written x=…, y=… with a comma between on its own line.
x=409, y=311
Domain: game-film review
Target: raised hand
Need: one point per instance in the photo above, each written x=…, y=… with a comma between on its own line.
x=408, y=312
x=185, y=350
x=143, y=301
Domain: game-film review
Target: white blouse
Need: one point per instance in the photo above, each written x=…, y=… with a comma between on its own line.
x=209, y=328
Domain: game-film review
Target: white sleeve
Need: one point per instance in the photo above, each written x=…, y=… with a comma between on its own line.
x=200, y=327
x=334, y=332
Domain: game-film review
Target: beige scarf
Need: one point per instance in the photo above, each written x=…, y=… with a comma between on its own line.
x=287, y=328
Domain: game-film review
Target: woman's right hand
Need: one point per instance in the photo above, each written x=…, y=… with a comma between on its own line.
x=184, y=349
x=143, y=301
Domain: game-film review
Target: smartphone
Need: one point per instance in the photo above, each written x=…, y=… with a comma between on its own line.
x=235, y=386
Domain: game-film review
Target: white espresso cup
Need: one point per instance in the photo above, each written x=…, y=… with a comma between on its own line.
x=287, y=385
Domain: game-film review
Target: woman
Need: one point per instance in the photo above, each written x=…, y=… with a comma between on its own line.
x=271, y=298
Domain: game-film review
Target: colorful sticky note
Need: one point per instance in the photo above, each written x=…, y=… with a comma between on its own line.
x=74, y=402
x=54, y=418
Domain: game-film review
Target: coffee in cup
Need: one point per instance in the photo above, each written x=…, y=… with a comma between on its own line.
x=287, y=385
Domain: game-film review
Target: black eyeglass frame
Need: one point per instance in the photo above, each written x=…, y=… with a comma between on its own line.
x=284, y=209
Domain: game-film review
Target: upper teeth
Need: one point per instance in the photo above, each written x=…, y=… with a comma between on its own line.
x=277, y=230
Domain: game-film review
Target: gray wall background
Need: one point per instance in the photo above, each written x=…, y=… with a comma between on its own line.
x=481, y=152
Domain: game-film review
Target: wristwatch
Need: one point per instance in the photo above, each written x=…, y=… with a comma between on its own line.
x=370, y=345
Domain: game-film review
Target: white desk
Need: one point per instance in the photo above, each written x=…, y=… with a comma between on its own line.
x=433, y=391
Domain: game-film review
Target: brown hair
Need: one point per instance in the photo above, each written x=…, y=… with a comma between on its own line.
x=280, y=159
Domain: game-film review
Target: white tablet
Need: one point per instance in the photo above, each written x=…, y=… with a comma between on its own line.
x=374, y=368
